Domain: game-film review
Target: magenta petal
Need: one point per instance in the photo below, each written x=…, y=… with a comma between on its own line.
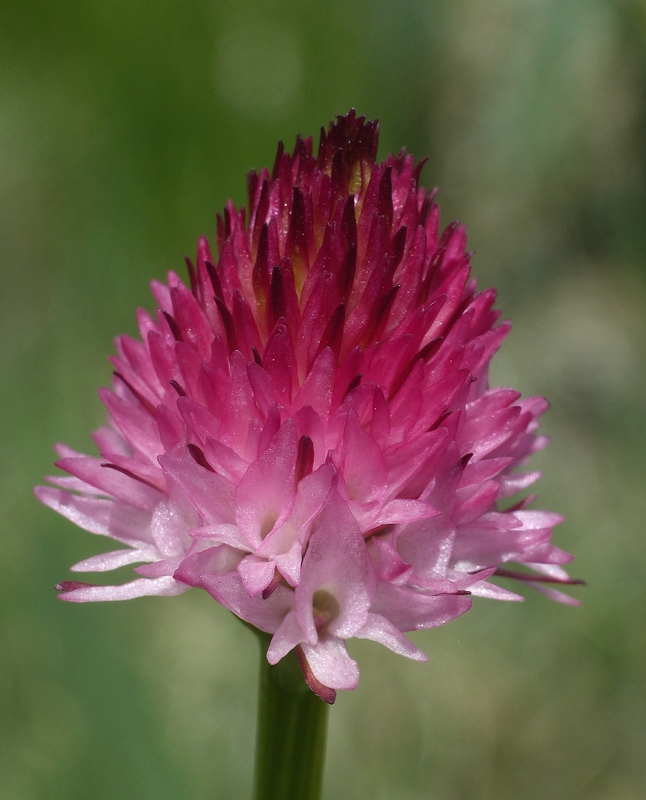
x=136, y=424
x=107, y=440
x=224, y=460
x=211, y=494
x=363, y=463
x=265, y=496
x=316, y=390
x=481, y=548
x=112, y=482
x=399, y=512
x=147, y=474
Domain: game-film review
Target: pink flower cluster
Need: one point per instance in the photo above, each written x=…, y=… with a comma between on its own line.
x=307, y=432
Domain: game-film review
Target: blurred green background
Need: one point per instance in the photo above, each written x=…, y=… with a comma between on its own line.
x=124, y=126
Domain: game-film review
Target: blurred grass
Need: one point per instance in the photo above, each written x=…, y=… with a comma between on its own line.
x=123, y=128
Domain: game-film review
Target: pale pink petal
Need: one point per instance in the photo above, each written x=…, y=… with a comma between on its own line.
x=224, y=534
x=158, y=569
x=538, y=520
x=409, y=610
x=331, y=664
x=224, y=460
x=105, y=517
x=316, y=390
x=210, y=561
x=117, y=558
x=289, y=563
x=142, y=587
x=388, y=563
x=518, y=482
x=551, y=570
x=149, y=474
x=338, y=563
x=493, y=592
x=256, y=574
x=74, y=485
x=265, y=614
x=379, y=629
x=287, y=636
x=265, y=496
x=554, y=594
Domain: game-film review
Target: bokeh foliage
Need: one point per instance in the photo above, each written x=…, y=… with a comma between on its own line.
x=123, y=127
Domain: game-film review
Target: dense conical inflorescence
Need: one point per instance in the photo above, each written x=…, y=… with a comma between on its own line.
x=306, y=430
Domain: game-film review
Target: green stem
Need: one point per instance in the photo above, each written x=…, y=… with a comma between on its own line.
x=292, y=726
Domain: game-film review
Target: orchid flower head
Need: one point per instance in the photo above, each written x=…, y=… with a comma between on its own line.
x=305, y=428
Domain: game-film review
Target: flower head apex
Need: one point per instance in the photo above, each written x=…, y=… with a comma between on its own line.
x=306, y=430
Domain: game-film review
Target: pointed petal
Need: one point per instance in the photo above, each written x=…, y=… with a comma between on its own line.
x=287, y=636
x=265, y=496
x=211, y=494
x=379, y=629
x=410, y=610
x=108, y=561
x=104, y=517
x=142, y=587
